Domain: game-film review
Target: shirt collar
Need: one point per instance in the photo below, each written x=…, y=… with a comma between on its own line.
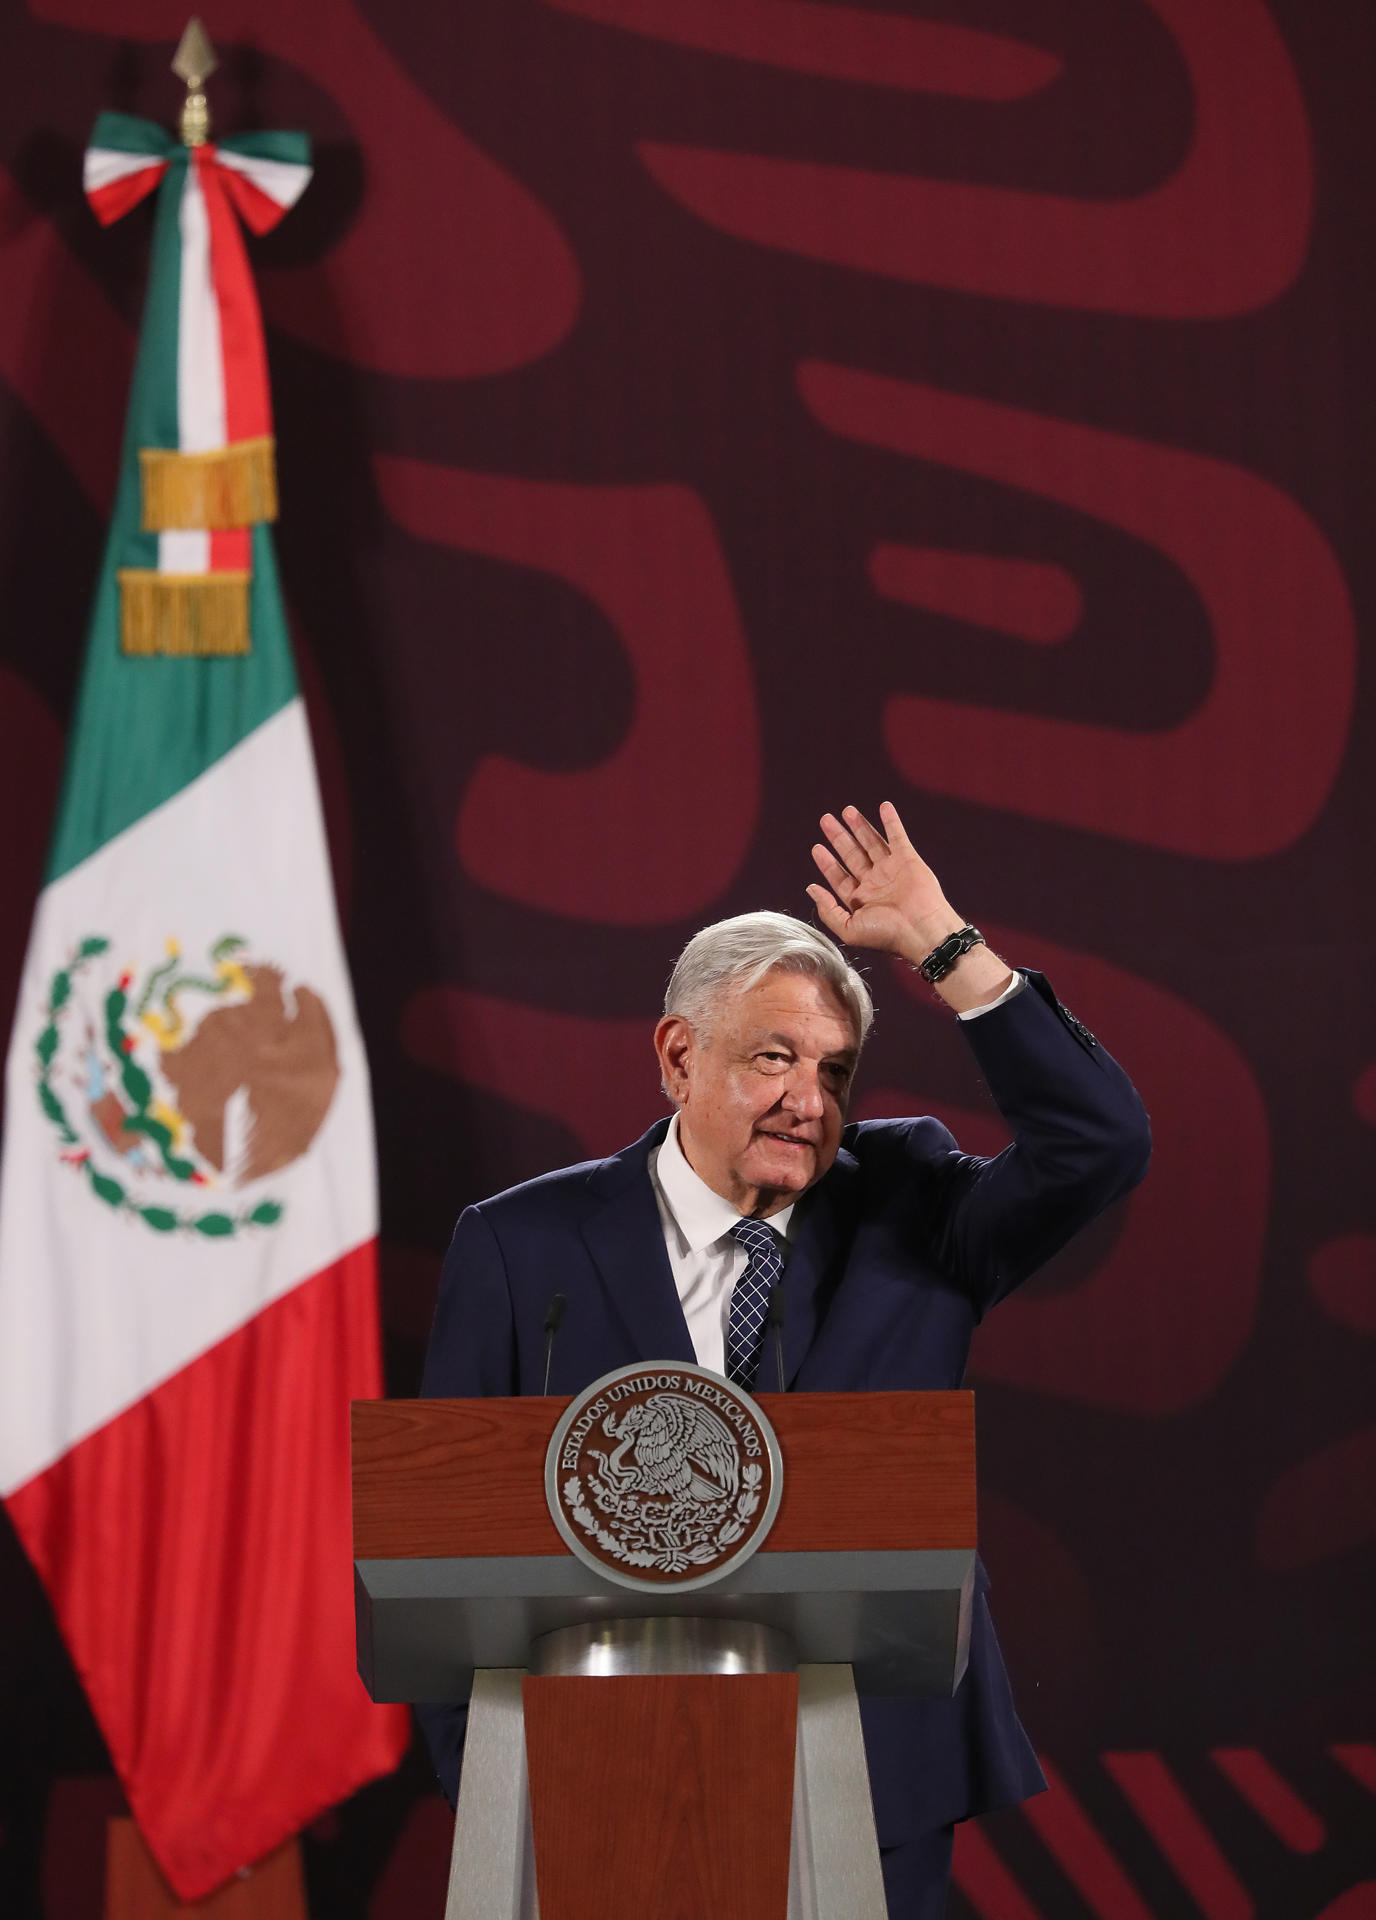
x=699, y=1213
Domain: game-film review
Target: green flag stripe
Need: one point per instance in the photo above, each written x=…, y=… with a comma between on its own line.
x=145, y=728
x=127, y=133
x=294, y=148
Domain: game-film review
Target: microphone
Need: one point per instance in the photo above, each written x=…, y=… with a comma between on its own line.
x=774, y=1319
x=554, y=1314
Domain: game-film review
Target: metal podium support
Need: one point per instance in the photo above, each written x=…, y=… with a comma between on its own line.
x=834, y=1869
x=492, y=1865
x=834, y=1857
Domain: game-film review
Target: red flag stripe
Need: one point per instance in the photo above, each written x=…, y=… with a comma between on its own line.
x=114, y=199
x=231, y=550
x=258, y=210
x=248, y=409
x=198, y=1554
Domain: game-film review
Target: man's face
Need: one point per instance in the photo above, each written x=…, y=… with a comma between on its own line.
x=762, y=1091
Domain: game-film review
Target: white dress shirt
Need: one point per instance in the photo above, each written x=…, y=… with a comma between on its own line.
x=704, y=1258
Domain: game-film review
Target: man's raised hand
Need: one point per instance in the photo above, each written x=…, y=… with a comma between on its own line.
x=880, y=892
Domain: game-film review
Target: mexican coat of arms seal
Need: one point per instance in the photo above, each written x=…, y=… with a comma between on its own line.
x=180, y=1084
x=663, y=1474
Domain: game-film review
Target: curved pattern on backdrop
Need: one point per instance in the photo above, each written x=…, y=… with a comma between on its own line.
x=1238, y=778
x=1226, y=233
x=630, y=842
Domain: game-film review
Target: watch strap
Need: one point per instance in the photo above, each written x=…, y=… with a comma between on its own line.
x=941, y=959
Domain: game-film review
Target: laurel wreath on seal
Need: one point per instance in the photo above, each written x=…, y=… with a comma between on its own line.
x=690, y=1532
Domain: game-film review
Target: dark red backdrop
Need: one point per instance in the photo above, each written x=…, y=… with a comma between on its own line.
x=695, y=413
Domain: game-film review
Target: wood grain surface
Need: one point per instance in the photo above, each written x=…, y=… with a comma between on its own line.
x=465, y=1478
x=663, y=1797
x=274, y=1889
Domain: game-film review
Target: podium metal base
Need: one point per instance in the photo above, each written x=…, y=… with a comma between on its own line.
x=492, y=1866
x=662, y=1643
x=834, y=1871
x=834, y=1861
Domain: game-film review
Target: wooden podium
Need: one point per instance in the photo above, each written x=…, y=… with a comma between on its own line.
x=653, y=1754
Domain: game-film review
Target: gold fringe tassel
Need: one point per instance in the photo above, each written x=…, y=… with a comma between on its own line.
x=182, y=613
x=232, y=486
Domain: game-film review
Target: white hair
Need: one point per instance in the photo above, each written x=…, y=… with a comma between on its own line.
x=731, y=956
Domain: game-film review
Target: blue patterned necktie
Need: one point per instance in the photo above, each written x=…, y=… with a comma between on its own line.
x=750, y=1300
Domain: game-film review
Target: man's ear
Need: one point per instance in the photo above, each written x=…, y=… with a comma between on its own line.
x=675, y=1045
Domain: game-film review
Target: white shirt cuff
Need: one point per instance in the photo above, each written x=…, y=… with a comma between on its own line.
x=1015, y=985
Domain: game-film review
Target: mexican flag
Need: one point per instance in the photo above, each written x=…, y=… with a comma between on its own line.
x=187, y=1202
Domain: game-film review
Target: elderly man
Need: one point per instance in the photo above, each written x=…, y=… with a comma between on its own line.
x=888, y=1242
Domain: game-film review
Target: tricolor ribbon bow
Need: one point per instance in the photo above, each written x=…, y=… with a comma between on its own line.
x=200, y=415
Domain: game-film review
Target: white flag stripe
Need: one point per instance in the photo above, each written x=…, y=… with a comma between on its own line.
x=102, y=166
x=184, y=550
x=124, y=1307
x=200, y=363
x=283, y=181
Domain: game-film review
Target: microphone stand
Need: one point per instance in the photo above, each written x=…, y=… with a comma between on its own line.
x=554, y=1314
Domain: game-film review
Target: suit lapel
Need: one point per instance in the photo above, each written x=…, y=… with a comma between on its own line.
x=622, y=1232
x=810, y=1274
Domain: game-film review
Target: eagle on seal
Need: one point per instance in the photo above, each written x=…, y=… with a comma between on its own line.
x=680, y=1449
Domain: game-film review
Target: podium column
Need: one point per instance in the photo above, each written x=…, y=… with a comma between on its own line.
x=670, y=1767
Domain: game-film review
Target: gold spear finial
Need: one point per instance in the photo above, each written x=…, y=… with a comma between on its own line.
x=194, y=61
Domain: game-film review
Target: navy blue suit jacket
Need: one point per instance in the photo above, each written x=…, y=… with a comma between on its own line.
x=898, y=1252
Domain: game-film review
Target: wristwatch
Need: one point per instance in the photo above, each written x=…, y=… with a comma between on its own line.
x=941, y=959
